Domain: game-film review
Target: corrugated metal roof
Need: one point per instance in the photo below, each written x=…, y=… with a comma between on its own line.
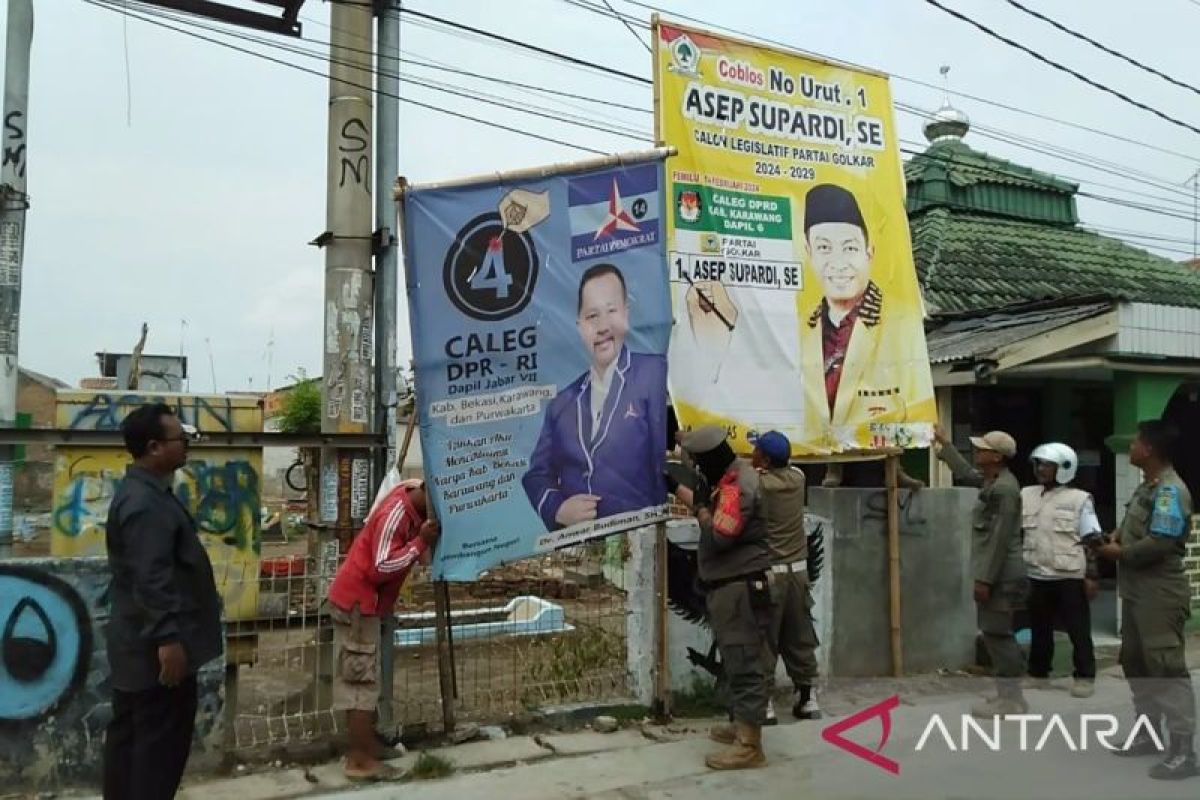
x=980, y=337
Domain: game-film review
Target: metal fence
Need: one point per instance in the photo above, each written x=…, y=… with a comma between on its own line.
x=542, y=632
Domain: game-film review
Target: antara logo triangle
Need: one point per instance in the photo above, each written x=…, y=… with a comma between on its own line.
x=833, y=734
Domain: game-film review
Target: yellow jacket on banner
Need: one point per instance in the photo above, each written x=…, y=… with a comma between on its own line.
x=884, y=379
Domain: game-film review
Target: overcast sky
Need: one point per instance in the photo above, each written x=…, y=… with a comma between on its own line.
x=193, y=196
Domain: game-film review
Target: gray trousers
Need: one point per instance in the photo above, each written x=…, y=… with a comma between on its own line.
x=740, y=631
x=1153, y=659
x=793, y=636
x=995, y=619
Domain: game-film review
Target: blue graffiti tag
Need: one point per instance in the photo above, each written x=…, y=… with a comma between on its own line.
x=45, y=643
x=225, y=500
x=104, y=412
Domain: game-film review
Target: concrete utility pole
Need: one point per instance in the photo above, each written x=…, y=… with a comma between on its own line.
x=13, y=203
x=346, y=391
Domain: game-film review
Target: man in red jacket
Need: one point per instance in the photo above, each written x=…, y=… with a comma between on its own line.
x=397, y=533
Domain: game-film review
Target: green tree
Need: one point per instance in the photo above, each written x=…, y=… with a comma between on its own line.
x=302, y=406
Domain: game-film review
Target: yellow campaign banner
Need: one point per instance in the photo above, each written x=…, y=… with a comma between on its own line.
x=796, y=300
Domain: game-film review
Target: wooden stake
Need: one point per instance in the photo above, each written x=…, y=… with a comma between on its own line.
x=662, y=672
x=892, y=468
x=441, y=595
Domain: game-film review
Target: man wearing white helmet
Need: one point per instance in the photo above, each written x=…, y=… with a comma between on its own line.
x=1056, y=518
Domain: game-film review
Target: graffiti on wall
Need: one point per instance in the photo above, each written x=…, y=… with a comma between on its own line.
x=221, y=488
x=55, y=691
x=103, y=411
x=45, y=643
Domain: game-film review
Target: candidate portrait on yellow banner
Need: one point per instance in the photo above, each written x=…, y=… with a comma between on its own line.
x=862, y=353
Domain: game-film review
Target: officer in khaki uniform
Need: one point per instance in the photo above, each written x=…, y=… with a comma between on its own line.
x=1149, y=550
x=792, y=630
x=733, y=562
x=996, y=561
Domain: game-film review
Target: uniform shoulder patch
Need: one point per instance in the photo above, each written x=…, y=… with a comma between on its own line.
x=1167, y=517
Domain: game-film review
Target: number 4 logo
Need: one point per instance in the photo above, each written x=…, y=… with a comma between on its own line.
x=492, y=273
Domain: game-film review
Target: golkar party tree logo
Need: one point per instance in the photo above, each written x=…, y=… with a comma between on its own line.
x=1033, y=732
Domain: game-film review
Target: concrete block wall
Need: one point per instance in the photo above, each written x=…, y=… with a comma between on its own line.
x=938, y=623
x=55, y=692
x=851, y=596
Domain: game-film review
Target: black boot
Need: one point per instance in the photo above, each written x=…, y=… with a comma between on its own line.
x=1142, y=745
x=1180, y=762
x=806, y=703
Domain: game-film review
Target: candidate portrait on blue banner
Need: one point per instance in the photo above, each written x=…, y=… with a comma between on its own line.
x=540, y=316
x=602, y=449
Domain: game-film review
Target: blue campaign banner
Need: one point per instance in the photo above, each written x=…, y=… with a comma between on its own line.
x=540, y=314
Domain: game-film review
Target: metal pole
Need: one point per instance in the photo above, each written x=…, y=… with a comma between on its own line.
x=387, y=166
x=387, y=151
x=13, y=203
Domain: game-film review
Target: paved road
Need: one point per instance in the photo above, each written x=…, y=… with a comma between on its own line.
x=803, y=765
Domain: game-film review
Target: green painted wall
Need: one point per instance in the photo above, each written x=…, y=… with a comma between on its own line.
x=1137, y=396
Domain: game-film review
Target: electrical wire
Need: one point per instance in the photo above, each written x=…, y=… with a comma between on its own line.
x=107, y=4
x=1104, y=48
x=410, y=101
x=1160, y=183
x=926, y=84
x=1063, y=68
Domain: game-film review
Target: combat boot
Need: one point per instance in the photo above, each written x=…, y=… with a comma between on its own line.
x=1180, y=762
x=724, y=733
x=806, y=703
x=1000, y=707
x=1142, y=745
x=745, y=753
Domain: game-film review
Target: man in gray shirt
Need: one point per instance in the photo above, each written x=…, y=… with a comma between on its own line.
x=166, y=620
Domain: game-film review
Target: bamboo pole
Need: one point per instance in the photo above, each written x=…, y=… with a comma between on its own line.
x=892, y=470
x=441, y=594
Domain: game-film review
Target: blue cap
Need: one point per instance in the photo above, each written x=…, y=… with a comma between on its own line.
x=774, y=445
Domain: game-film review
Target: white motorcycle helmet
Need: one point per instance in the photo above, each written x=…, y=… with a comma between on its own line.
x=1060, y=454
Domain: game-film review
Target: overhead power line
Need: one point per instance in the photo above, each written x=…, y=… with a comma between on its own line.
x=429, y=106
x=1062, y=68
x=1068, y=155
x=111, y=5
x=1099, y=46
x=917, y=82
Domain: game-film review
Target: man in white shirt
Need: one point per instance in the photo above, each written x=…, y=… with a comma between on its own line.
x=1056, y=519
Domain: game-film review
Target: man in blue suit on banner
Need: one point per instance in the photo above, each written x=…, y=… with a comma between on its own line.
x=602, y=449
